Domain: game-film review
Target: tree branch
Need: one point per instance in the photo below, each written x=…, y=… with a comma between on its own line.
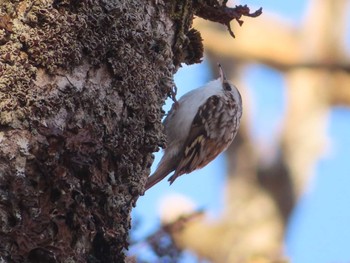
x=224, y=15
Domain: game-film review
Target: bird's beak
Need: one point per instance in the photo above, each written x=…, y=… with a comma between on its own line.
x=222, y=74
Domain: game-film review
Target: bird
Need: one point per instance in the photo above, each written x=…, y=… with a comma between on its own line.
x=198, y=127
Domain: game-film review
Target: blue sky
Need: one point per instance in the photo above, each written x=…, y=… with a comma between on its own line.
x=318, y=231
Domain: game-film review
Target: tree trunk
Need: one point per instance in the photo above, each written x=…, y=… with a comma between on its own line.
x=81, y=89
x=82, y=84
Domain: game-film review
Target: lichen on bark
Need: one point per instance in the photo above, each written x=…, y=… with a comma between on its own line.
x=82, y=84
x=81, y=89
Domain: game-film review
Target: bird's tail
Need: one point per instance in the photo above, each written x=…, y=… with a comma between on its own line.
x=162, y=171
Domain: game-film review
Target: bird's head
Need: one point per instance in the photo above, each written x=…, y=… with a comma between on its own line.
x=228, y=87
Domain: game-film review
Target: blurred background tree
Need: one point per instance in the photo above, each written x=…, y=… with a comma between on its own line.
x=267, y=178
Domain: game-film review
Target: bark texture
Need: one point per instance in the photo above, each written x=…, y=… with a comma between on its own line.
x=82, y=84
x=81, y=89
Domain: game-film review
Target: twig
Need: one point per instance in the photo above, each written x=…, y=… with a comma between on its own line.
x=224, y=15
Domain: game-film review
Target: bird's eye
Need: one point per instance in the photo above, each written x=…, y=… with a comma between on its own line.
x=227, y=86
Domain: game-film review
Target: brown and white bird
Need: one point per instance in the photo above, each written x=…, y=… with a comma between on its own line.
x=202, y=124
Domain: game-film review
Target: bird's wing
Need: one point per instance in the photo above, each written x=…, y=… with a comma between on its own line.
x=201, y=146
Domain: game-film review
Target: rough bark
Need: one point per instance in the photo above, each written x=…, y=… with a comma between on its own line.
x=81, y=89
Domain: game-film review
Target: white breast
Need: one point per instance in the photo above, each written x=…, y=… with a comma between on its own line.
x=178, y=122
